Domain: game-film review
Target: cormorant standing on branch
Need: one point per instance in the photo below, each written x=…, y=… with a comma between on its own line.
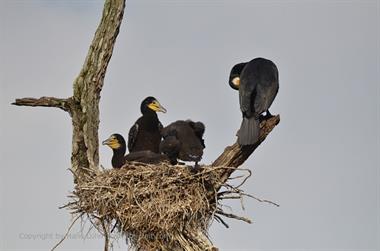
x=257, y=82
x=117, y=143
x=145, y=134
x=183, y=140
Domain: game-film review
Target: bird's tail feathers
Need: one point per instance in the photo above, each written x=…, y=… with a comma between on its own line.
x=249, y=131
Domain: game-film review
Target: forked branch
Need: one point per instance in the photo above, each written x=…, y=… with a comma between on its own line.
x=83, y=106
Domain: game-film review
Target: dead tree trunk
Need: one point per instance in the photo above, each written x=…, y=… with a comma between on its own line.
x=83, y=107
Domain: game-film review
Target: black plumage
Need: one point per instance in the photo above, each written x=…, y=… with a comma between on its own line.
x=183, y=140
x=257, y=82
x=234, y=80
x=117, y=143
x=145, y=134
x=170, y=145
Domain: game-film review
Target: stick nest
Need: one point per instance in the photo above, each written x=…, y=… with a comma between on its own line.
x=155, y=206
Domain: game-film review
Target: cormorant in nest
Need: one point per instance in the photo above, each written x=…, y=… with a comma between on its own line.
x=183, y=140
x=257, y=82
x=117, y=143
x=145, y=134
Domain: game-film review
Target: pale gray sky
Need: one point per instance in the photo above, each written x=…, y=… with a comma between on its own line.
x=321, y=163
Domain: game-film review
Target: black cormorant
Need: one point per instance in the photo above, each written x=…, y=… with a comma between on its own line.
x=257, y=82
x=170, y=145
x=183, y=140
x=117, y=143
x=145, y=134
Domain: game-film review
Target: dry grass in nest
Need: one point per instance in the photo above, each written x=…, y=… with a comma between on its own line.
x=155, y=206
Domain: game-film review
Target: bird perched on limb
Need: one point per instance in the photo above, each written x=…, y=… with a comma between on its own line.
x=257, y=82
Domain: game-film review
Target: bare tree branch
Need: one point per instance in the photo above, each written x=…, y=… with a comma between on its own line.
x=234, y=216
x=235, y=155
x=67, y=232
x=106, y=235
x=62, y=103
x=83, y=106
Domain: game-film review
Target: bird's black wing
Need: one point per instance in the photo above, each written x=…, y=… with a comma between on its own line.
x=247, y=86
x=265, y=96
x=160, y=128
x=267, y=88
x=132, y=135
x=199, y=130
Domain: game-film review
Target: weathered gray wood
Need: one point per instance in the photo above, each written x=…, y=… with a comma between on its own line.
x=87, y=88
x=61, y=103
x=83, y=106
x=235, y=155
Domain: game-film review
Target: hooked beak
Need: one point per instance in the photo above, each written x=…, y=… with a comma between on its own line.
x=157, y=107
x=107, y=142
x=112, y=142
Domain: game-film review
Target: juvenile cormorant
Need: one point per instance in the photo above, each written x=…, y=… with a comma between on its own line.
x=257, y=82
x=145, y=134
x=183, y=140
x=170, y=145
x=117, y=143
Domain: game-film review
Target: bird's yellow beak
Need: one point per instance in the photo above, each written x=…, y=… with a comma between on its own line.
x=236, y=82
x=157, y=107
x=112, y=142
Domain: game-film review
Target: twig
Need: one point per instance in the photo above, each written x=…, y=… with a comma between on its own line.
x=261, y=200
x=245, y=179
x=67, y=233
x=235, y=178
x=67, y=205
x=234, y=216
x=219, y=219
x=106, y=236
x=229, y=197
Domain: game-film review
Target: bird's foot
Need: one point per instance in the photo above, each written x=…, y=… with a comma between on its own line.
x=267, y=116
x=196, y=167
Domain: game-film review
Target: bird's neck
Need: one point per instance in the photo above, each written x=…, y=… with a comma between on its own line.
x=118, y=157
x=150, y=115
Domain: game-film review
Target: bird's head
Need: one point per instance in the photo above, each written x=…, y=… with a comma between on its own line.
x=234, y=79
x=152, y=104
x=115, y=141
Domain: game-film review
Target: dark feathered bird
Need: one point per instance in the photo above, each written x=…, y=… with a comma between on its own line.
x=145, y=134
x=257, y=82
x=170, y=145
x=117, y=143
x=183, y=140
